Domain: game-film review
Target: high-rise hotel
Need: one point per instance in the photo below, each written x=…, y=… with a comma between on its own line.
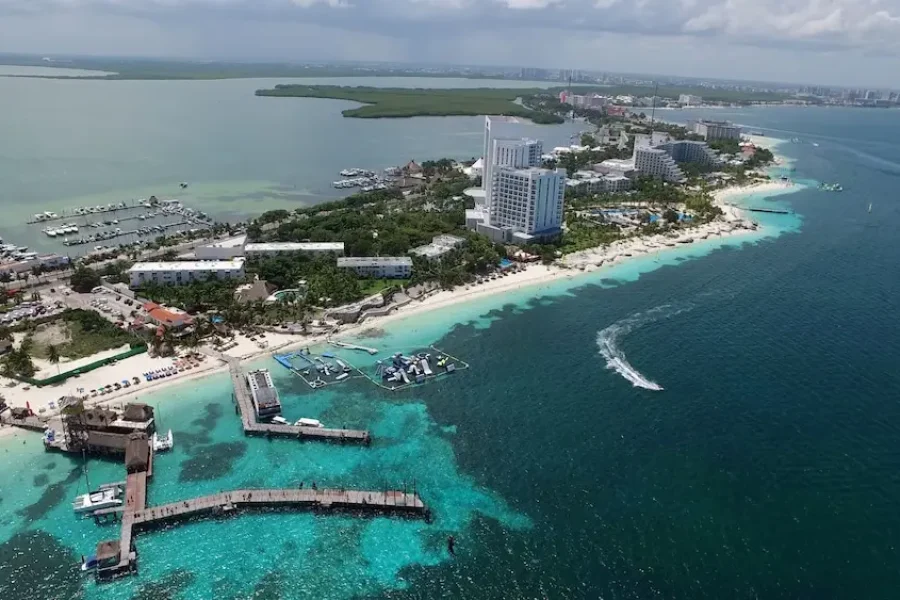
x=523, y=202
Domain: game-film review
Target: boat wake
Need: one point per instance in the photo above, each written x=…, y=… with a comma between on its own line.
x=608, y=342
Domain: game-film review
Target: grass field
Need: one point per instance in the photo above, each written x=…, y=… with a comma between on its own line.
x=419, y=102
x=81, y=334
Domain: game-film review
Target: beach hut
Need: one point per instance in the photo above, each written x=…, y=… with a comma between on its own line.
x=108, y=553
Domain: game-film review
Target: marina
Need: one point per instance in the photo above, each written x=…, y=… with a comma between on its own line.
x=367, y=180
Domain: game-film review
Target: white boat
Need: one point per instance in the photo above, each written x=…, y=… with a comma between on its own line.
x=280, y=421
x=162, y=444
x=342, y=377
x=103, y=498
x=308, y=423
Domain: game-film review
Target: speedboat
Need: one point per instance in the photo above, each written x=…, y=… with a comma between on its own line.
x=90, y=563
x=103, y=498
x=308, y=423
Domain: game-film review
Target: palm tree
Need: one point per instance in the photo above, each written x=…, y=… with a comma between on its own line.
x=53, y=356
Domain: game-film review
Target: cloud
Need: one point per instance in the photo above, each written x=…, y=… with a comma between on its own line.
x=445, y=30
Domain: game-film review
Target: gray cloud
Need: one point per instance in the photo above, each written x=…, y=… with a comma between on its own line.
x=522, y=31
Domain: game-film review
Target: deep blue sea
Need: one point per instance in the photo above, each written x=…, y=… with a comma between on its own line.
x=767, y=466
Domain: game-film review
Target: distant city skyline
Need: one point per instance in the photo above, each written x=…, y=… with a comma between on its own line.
x=820, y=42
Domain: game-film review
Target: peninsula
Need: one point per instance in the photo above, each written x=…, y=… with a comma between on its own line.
x=419, y=102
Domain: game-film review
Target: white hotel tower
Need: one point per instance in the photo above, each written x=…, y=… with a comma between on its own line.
x=523, y=202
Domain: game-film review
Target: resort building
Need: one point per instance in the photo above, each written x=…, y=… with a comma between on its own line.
x=662, y=160
x=172, y=318
x=180, y=273
x=222, y=250
x=378, y=267
x=690, y=100
x=589, y=181
x=526, y=205
x=496, y=127
x=282, y=248
x=716, y=130
x=439, y=246
x=622, y=167
x=692, y=152
x=656, y=162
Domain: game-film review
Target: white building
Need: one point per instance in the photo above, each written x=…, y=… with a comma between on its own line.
x=589, y=181
x=526, y=205
x=496, y=127
x=222, y=250
x=180, y=273
x=691, y=152
x=281, y=248
x=378, y=267
x=439, y=246
x=661, y=161
x=690, y=100
x=656, y=162
x=623, y=167
x=716, y=130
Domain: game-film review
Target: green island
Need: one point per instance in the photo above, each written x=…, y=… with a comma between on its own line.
x=418, y=102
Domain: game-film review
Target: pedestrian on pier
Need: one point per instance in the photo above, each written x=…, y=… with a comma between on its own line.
x=314, y=486
x=301, y=485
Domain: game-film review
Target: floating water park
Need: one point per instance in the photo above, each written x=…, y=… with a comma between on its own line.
x=395, y=373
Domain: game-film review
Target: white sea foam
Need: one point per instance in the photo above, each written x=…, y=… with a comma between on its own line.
x=608, y=342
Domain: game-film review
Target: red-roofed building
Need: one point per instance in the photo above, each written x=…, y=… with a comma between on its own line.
x=168, y=317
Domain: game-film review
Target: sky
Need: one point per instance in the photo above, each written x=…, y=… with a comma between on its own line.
x=833, y=42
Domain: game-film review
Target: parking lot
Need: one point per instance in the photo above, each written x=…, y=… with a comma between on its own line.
x=30, y=310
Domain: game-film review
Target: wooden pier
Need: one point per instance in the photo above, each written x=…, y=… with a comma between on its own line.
x=251, y=426
x=136, y=517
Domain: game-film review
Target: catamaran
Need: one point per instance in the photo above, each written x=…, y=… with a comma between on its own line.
x=105, y=497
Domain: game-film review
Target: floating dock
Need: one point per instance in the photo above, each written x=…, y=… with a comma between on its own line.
x=424, y=371
x=776, y=211
x=244, y=402
x=326, y=373
x=372, y=351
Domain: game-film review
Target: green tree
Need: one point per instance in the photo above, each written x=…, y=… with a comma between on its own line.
x=53, y=356
x=84, y=279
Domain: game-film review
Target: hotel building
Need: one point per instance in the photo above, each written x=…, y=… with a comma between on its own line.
x=281, y=248
x=184, y=272
x=378, y=267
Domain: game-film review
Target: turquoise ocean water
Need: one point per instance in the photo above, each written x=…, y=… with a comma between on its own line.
x=765, y=467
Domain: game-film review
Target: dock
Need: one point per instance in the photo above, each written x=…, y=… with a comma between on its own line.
x=776, y=211
x=372, y=351
x=119, y=557
x=251, y=426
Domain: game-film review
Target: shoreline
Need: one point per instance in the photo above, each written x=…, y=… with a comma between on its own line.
x=733, y=224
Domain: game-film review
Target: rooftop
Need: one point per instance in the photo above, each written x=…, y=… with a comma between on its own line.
x=189, y=265
x=372, y=261
x=295, y=247
x=234, y=242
